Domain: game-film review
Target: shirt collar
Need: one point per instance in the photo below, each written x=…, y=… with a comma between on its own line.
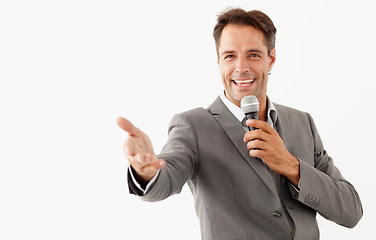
x=238, y=113
x=272, y=113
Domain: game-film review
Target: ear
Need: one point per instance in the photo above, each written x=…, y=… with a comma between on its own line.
x=272, y=59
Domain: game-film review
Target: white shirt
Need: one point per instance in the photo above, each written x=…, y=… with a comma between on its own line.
x=271, y=117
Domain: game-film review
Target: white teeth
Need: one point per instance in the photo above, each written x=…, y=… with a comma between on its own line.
x=249, y=81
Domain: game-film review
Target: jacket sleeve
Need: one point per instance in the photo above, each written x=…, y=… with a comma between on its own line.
x=180, y=154
x=324, y=189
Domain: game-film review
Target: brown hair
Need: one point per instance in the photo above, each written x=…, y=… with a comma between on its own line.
x=254, y=18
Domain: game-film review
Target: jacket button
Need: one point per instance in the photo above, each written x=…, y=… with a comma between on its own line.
x=277, y=215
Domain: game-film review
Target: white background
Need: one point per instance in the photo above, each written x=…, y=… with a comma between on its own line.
x=69, y=68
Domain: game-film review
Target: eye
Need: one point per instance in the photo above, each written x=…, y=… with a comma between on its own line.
x=254, y=55
x=228, y=57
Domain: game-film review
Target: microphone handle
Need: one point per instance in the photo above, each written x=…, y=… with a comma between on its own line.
x=252, y=115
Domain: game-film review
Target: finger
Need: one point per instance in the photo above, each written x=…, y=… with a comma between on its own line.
x=144, y=159
x=257, y=153
x=256, y=144
x=151, y=157
x=140, y=160
x=127, y=126
x=147, y=172
x=260, y=125
x=153, y=167
x=256, y=134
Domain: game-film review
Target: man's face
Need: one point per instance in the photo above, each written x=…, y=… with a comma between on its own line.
x=244, y=62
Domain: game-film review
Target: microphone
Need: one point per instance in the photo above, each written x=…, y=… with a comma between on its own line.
x=250, y=107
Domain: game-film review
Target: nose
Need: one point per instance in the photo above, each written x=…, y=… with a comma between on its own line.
x=242, y=66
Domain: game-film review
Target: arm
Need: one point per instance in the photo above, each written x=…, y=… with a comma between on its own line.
x=324, y=189
x=180, y=154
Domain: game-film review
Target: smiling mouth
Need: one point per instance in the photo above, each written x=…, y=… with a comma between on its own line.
x=244, y=83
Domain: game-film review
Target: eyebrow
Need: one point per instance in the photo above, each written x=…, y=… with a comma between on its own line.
x=249, y=51
x=227, y=52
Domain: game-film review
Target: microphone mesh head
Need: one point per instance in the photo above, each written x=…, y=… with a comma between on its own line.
x=249, y=104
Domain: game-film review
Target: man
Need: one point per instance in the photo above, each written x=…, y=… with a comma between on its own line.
x=268, y=183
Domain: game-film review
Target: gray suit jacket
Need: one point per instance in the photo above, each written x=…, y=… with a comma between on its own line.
x=235, y=197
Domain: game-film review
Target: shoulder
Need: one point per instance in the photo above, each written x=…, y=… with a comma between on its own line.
x=194, y=112
x=193, y=115
x=290, y=111
x=287, y=109
x=294, y=116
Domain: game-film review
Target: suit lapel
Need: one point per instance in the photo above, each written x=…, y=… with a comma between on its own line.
x=235, y=131
x=283, y=126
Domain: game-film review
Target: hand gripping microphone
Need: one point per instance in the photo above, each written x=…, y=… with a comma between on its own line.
x=250, y=107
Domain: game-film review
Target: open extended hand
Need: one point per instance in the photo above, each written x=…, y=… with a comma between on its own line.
x=139, y=151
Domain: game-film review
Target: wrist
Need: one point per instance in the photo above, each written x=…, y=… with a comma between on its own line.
x=142, y=180
x=294, y=176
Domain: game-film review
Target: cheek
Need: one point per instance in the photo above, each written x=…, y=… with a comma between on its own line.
x=261, y=70
x=226, y=70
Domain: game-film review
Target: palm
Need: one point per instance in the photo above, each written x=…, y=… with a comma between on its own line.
x=139, y=151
